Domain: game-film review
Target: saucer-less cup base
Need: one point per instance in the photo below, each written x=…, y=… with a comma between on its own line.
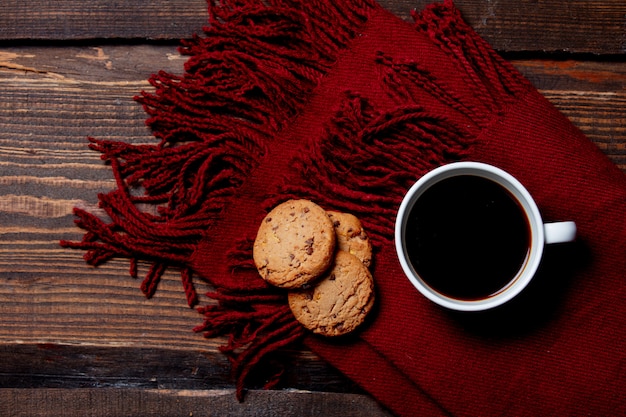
x=540, y=234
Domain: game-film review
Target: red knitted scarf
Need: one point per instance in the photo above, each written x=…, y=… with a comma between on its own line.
x=344, y=104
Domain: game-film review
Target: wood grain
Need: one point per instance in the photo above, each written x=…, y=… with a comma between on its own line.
x=101, y=19
x=577, y=26
x=77, y=340
x=54, y=365
x=589, y=26
x=183, y=403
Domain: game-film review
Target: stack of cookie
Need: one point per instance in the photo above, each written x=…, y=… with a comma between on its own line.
x=322, y=259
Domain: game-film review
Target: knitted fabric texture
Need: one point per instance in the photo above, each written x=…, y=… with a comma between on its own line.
x=345, y=104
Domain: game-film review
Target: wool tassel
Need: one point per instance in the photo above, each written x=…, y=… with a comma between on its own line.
x=245, y=80
x=257, y=324
x=365, y=152
x=250, y=73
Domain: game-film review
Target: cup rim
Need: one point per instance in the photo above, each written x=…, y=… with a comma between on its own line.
x=525, y=200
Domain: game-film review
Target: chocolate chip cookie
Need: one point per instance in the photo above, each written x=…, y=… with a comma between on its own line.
x=337, y=303
x=295, y=244
x=351, y=236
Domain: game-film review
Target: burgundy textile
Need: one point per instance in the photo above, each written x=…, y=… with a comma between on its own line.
x=347, y=105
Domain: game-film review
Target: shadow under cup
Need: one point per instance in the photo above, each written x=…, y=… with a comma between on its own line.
x=469, y=236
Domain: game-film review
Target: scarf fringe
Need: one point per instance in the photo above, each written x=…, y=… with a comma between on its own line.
x=244, y=80
x=495, y=82
x=257, y=325
x=366, y=152
x=368, y=160
x=250, y=75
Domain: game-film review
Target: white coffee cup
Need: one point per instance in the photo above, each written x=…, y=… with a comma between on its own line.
x=540, y=234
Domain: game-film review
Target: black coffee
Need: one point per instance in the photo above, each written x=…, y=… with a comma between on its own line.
x=467, y=237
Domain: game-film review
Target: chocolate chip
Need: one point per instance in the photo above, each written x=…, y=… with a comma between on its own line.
x=309, y=246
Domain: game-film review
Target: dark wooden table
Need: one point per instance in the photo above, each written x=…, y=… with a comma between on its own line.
x=75, y=340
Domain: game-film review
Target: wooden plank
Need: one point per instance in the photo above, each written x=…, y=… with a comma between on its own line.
x=101, y=19
x=64, y=94
x=591, y=94
x=589, y=26
x=578, y=26
x=182, y=402
x=52, y=365
x=48, y=365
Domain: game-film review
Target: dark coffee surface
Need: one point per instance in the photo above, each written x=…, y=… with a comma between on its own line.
x=467, y=237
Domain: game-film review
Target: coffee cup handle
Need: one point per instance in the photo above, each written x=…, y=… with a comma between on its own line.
x=559, y=232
